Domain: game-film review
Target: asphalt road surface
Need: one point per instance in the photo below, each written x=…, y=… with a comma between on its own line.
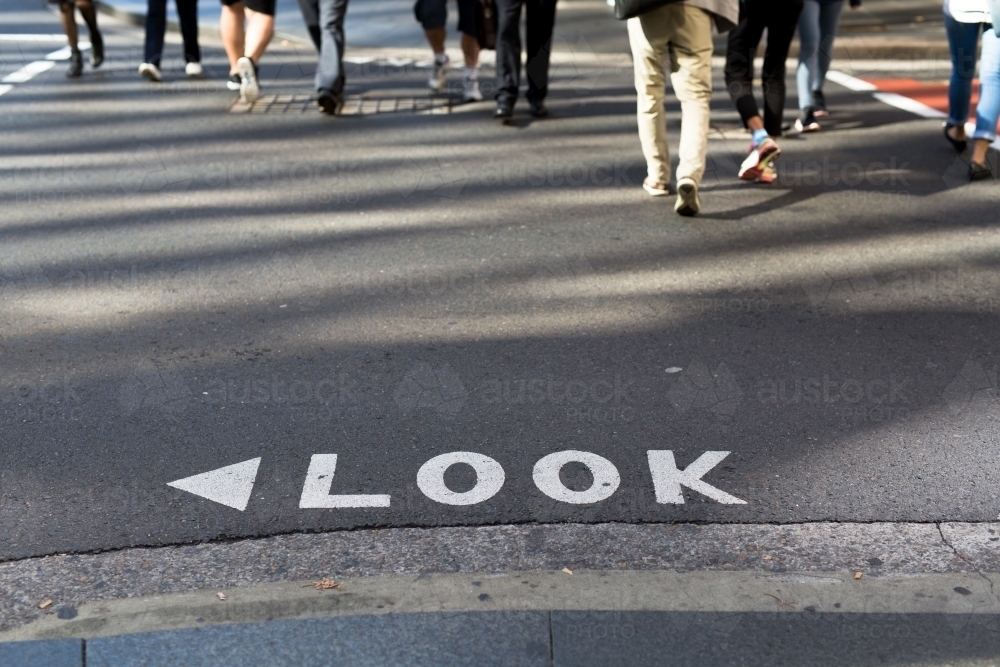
x=185, y=289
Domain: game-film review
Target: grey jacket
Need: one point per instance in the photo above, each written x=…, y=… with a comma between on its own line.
x=725, y=12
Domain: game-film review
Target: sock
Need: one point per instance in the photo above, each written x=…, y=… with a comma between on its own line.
x=440, y=57
x=472, y=73
x=758, y=136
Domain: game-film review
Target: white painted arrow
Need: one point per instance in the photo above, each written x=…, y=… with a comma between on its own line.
x=230, y=486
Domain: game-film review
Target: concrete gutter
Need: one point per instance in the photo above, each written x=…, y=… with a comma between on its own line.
x=582, y=590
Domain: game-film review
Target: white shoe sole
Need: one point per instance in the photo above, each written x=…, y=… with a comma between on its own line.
x=249, y=88
x=150, y=72
x=436, y=83
x=655, y=192
x=688, y=203
x=757, y=162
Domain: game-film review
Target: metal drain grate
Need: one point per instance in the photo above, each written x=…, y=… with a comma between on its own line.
x=353, y=106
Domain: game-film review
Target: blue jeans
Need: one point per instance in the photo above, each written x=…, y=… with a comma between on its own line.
x=817, y=29
x=988, y=109
x=963, y=38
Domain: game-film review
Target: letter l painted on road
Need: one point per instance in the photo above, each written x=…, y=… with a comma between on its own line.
x=316, y=490
x=668, y=480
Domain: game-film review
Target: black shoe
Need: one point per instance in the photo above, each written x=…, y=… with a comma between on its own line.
x=538, y=109
x=979, y=172
x=808, y=122
x=505, y=109
x=330, y=102
x=234, y=82
x=957, y=144
x=75, y=65
x=819, y=104
x=96, y=50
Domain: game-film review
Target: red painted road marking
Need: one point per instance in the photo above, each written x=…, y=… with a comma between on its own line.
x=933, y=95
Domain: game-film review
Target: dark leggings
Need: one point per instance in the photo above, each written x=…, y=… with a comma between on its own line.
x=780, y=17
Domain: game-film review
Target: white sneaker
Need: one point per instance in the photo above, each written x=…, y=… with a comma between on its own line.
x=655, y=189
x=249, y=87
x=194, y=70
x=758, y=159
x=438, y=75
x=151, y=72
x=687, y=202
x=471, y=92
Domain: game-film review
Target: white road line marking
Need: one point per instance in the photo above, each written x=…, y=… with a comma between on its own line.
x=316, y=489
x=546, y=476
x=29, y=71
x=5, y=89
x=28, y=37
x=850, y=82
x=911, y=105
x=230, y=486
x=489, y=478
x=668, y=480
x=65, y=52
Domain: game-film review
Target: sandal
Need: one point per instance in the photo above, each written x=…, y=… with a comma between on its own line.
x=957, y=144
x=979, y=172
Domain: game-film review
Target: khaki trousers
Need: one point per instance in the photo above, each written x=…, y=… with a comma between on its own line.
x=687, y=33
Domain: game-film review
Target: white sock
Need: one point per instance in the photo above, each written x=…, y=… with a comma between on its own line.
x=472, y=73
x=440, y=57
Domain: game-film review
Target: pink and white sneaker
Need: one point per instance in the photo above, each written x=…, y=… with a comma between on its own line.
x=759, y=158
x=767, y=175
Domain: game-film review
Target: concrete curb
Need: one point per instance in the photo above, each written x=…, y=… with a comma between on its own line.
x=879, y=550
x=535, y=618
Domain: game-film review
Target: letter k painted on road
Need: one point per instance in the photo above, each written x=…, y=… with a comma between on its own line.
x=668, y=480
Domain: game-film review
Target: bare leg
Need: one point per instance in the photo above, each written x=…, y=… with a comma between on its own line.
x=979, y=148
x=755, y=123
x=260, y=29
x=436, y=38
x=233, y=32
x=957, y=132
x=69, y=24
x=470, y=48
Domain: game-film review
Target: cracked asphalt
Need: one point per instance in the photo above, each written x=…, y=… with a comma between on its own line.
x=184, y=289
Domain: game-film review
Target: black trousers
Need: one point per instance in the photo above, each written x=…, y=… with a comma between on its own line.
x=156, y=26
x=324, y=20
x=540, y=19
x=780, y=17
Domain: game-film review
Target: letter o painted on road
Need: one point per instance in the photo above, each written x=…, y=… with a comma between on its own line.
x=546, y=476
x=489, y=478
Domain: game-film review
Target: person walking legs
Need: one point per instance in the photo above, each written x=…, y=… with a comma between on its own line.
x=780, y=18
x=963, y=21
x=246, y=27
x=817, y=30
x=68, y=15
x=686, y=32
x=540, y=18
x=324, y=20
x=432, y=15
x=988, y=107
x=156, y=26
